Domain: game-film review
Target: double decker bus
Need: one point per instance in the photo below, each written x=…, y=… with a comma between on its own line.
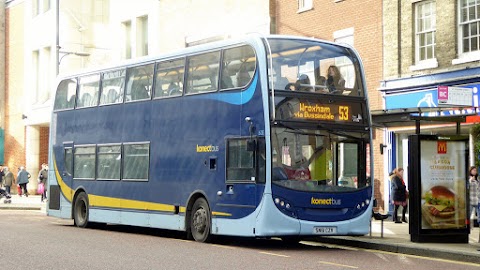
x=258, y=136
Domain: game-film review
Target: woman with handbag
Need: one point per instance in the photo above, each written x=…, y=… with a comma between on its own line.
x=399, y=195
x=42, y=181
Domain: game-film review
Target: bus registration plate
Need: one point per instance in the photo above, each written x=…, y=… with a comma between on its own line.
x=324, y=230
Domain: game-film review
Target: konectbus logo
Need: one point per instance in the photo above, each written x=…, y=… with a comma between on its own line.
x=329, y=201
x=207, y=148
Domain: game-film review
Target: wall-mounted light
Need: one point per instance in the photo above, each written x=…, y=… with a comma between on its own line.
x=24, y=117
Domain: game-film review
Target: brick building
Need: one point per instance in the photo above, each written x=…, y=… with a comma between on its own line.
x=358, y=23
x=428, y=44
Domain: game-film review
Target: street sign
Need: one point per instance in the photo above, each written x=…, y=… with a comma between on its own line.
x=458, y=96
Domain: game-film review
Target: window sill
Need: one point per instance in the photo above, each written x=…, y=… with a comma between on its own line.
x=466, y=58
x=426, y=64
x=304, y=9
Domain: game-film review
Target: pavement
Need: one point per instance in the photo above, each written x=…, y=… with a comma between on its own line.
x=396, y=238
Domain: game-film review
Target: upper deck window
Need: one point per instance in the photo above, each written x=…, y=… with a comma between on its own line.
x=113, y=83
x=139, y=83
x=65, y=97
x=238, y=67
x=202, y=73
x=88, y=89
x=311, y=66
x=169, y=78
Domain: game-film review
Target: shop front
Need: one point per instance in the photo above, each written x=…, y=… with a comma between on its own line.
x=434, y=104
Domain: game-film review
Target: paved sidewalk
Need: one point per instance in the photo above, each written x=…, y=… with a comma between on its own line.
x=32, y=202
x=395, y=237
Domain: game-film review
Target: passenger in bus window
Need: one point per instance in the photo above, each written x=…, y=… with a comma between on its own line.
x=335, y=81
x=243, y=77
x=303, y=83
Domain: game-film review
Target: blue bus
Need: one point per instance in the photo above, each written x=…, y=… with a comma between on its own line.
x=258, y=136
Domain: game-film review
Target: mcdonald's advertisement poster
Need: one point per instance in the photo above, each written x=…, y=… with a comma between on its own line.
x=443, y=187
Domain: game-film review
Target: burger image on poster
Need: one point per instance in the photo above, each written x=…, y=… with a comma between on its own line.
x=440, y=208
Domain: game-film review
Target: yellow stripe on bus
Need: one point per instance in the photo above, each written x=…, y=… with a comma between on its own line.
x=110, y=202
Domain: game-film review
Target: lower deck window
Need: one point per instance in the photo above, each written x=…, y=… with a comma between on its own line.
x=136, y=161
x=84, y=162
x=108, y=163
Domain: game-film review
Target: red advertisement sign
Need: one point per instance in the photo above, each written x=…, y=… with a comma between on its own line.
x=441, y=147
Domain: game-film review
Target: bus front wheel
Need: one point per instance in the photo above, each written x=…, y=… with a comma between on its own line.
x=80, y=210
x=200, y=221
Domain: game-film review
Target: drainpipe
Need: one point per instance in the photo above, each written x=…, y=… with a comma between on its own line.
x=2, y=82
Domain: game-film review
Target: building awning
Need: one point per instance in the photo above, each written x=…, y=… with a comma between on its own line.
x=418, y=116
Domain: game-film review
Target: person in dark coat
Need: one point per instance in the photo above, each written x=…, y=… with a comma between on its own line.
x=22, y=180
x=8, y=180
x=43, y=179
x=399, y=195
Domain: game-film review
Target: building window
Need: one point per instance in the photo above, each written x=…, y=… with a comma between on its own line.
x=36, y=72
x=40, y=6
x=425, y=28
x=304, y=5
x=142, y=36
x=344, y=64
x=469, y=24
x=45, y=5
x=127, y=36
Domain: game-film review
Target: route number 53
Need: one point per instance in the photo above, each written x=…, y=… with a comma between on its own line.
x=343, y=113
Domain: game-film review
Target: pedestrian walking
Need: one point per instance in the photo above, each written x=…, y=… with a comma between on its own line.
x=8, y=179
x=42, y=181
x=399, y=195
x=2, y=175
x=474, y=190
x=22, y=180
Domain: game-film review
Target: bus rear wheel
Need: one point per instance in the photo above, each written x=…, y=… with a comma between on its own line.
x=200, y=221
x=80, y=210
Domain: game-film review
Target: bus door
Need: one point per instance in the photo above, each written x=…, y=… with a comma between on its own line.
x=245, y=168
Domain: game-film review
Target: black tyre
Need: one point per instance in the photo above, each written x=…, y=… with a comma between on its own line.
x=80, y=210
x=200, y=221
x=291, y=240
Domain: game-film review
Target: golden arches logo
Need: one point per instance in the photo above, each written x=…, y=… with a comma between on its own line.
x=441, y=147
